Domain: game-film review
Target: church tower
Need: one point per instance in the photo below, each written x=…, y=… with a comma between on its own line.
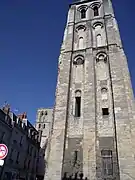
x=94, y=117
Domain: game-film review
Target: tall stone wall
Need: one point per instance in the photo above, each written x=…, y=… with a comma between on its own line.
x=92, y=68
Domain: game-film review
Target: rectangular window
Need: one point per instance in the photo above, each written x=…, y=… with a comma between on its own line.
x=25, y=161
x=35, y=154
x=31, y=151
x=105, y=111
x=28, y=149
x=29, y=164
x=96, y=12
x=83, y=13
x=2, y=137
x=11, y=153
x=77, y=106
x=107, y=162
x=17, y=158
x=75, y=157
x=21, y=140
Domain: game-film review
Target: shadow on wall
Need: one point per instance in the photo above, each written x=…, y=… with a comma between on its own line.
x=41, y=165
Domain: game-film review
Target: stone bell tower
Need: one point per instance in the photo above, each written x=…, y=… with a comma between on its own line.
x=94, y=116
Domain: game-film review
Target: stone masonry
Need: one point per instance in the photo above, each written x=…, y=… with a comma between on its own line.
x=94, y=117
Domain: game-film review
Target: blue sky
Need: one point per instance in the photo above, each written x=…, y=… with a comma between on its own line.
x=31, y=33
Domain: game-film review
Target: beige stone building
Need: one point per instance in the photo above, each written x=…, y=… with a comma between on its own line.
x=44, y=127
x=22, y=140
x=94, y=116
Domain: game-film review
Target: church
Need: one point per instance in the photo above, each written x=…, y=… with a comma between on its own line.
x=93, y=129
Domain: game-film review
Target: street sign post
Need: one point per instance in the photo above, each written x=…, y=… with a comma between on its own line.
x=3, y=151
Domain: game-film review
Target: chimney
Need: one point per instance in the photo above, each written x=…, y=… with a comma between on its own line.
x=22, y=116
x=6, y=109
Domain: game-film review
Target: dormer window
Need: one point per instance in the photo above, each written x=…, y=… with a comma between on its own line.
x=96, y=12
x=83, y=13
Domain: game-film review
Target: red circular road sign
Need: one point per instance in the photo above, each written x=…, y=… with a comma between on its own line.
x=3, y=151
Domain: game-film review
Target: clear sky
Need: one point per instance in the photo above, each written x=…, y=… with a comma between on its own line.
x=31, y=33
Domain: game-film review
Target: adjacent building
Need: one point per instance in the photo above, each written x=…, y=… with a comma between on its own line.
x=22, y=140
x=94, y=116
x=44, y=127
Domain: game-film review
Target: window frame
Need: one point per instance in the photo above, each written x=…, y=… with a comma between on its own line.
x=17, y=157
x=105, y=112
x=83, y=13
x=107, y=162
x=2, y=137
x=96, y=11
x=77, y=107
x=21, y=140
x=77, y=112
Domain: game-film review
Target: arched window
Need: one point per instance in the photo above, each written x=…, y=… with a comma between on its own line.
x=99, y=40
x=46, y=113
x=104, y=93
x=39, y=126
x=81, y=43
x=96, y=12
x=102, y=67
x=81, y=28
x=79, y=60
x=78, y=69
x=83, y=13
x=98, y=25
x=78, y=103
x=42, y=113
x=44, y=126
